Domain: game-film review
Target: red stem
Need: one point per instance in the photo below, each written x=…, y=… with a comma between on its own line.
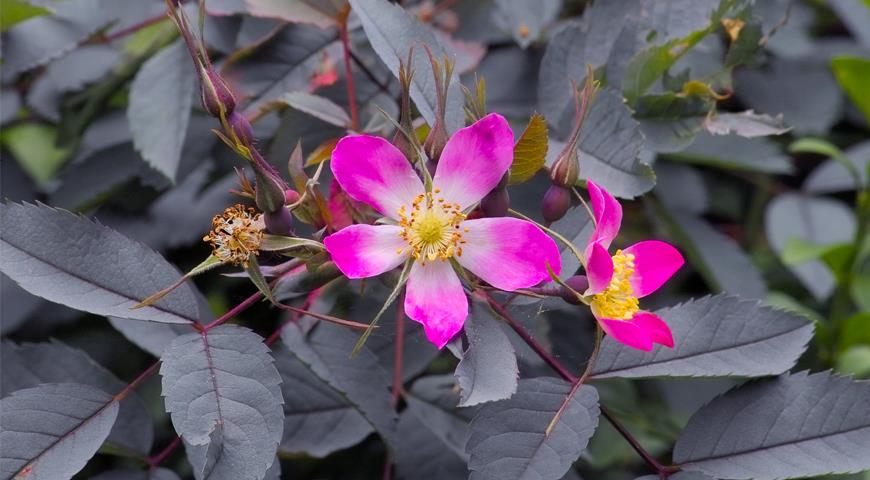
x=662, y=470
x=136, y=381
x=156, y=460
x=398, y=351
x=132, y=28
x=246, y=304
x=348, y=74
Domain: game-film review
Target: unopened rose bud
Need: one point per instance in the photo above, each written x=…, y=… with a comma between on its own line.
x=240, y=127
x=556, y=203
x=435, y=141
x=279, y=222
x=271, y=188
x=496, y=203
x=579, y=284
x=566, y=170
x=217, y=98
x=291, y=197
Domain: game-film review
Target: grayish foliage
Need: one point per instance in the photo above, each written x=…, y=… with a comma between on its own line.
x=832, y=176
x=325, y=349
x=433, y=441
x=714, y=337
x=318, y=420
x=130, y=474
x=391, y=32
x=681, y=187
x=792, y=426
x=509, y=439
x=317, y=106
x=679, y=476
x=50, y=431
x=149, y=336
x=71, y=260
x=739, y=153
x=488, y=370
x=224, y=396
x=160, y=100
x=525, y=20
x=820, y=221
x=745, y=124
x=31, y=364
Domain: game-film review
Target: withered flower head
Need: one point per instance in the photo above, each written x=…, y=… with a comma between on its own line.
x=236, y=234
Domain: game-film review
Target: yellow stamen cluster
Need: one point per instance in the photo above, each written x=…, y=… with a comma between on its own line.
x=236, y=234
x=432, y=227
x=617, y=301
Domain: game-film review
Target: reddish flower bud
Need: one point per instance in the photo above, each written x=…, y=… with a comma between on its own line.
x=291, y=197
x=240, y=127
x=217, y=98
x=566, y=170
x=435, y=141
x=556, y=203
x=279, y=222
x=271, y=188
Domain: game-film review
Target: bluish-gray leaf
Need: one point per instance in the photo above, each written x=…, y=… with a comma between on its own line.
x=733, y=152
x=49, y=432
x=84, y=182
x=792, y=426
x=509, y=439
x=856, y=16
x=488, y=370
x=325, y=349
x=717, y=336
x=224, y=396
x=745, y=124
x=318, y=420
x=76, y=262
x=525, y=20
x=130, y=474
x=821, y=221
x=317, y=106
x=392, y=32
x=31, y=364
x=609, y=148
x=782, y=88
x=832, y=176
x=678, y=476
x=149, y=336
x=681, y=187
x=160, y=100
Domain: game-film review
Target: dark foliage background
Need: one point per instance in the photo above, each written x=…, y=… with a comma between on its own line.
x=736, y=130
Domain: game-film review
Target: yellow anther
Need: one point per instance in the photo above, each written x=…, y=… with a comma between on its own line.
x=432, y=230
x=236, y=234
x=618, y=301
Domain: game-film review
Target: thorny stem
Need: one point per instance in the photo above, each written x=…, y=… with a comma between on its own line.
x=664, y=471
x=348, y=74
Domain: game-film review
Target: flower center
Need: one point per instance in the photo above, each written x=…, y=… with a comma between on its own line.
x=236, y=234
x=432, y=227
x=617, y=301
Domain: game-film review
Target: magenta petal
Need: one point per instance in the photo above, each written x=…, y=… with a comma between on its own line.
x=474, y=160
x=654, y=263
x=372, y=170
x=608, y=214
x=508, y=253
x=435, y=298
x=599, y=269
x=361, y=251
x=656, y=328
x=627, y=333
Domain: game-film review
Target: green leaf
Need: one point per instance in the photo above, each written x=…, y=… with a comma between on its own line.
x=747, y=43
x=33, y=145
x=798, y=251
x=670, y=121
x=530, y=151
x=280, y=243
x=852, y=74
x=828, y=149
x=855, y=330
x=855, y=361
x=15, y=11
x=257, y=278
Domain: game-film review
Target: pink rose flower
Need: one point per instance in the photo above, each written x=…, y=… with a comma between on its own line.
x=616, y=283
x=430, y=227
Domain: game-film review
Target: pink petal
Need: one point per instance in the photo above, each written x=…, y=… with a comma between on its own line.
x=435, y=298
x=608, y=214
x=508, y=253
x=656, y=328
x=372, y=170
x=474, y=160
x=654, y=263
x=627, y=333
x=361, y=251
x=599, y=269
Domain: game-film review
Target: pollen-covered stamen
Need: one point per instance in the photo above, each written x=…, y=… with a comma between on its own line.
x=617, y=301
x=432, y=227
x=236, y=234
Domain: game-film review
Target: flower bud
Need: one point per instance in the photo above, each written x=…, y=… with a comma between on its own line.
x=271, y=188
x=566, y=170
x=291, y=196
x=279, y=222
x=496, y=203
x=217, y=98
x=435, y=141
x=240, y=127
x=556, y=203
x=579, y=284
